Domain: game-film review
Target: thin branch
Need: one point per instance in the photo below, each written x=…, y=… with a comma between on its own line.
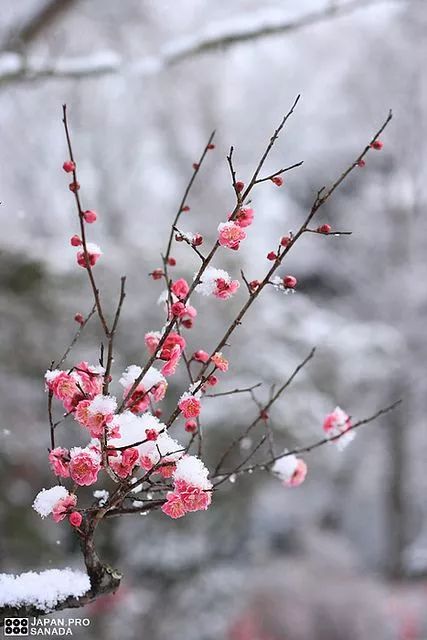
x=75, y=339
x=82, y=227
x=309, y=448
x=233, y=391
x=263, y=411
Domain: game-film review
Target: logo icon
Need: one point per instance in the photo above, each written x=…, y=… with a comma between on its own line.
x=15, y=627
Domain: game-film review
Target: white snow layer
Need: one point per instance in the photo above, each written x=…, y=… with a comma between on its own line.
x=43, y=590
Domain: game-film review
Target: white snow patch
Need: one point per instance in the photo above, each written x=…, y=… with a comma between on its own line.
x=43, y=590
x=46, y=499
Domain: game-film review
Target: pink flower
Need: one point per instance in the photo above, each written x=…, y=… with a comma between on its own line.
x=189, y=405
x=82, y=413
x=298, y=476
x=123, y=464
x=173, y=506
x=91, y=378
x=59, y=459
x=152, y=339
x=172, y=340
x=290, y=469
x=93, y=255
x=64, y=387
x=180, y=288
x=220, y=362
x=90, y=216
x=244, y=217
x=178, y=309
x=201, y=356
x=289, y=282
x=230, y=235
x=100, y=413
x=63, y=507
x=170, y=367
x=75, y=519
x=195, y=498
x=225, y=290
x=166, y=469
x=84, y=466
x=336, y=422
x=338, y=425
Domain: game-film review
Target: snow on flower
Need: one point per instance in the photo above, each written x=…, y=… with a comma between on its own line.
x=192, y=488
x=152, y=339
x=153, y=385
x=134, y=428
x=165, y=452
x=98, y=414
x=190, y=405
x=46, y=499
x=217, y=282
x=85, y=465
x=64, y=507
x=219, y=361
x=42, y=590
x=338, y=425
x=230, y=235
x=93, y=255
x=290, y=469
x=64, y=387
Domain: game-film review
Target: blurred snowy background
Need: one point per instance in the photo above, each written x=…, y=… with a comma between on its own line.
x=345, y=555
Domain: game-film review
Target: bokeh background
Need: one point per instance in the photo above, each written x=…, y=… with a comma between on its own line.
x=345, y=555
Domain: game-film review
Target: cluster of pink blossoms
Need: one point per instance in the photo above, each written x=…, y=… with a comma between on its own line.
x=192, y=490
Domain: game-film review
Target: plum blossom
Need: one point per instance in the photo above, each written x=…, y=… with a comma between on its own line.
x=217, y=282
x=180, y=288
x=190, y=405
x=46, y=499
x=152, y=339
x=59, y=459
x=64, y=507
x=165, y=452
x=174, y=506
x=123, y=464
x=91, y=377
x=230, y=235
x=244, y=217
x=93, y=255
x=219, y=361
x=85, y=465
x=169, y=368
x=65, y=387
x=290, y=469
x=192, y=488
x=97, y=414
x=153, y=385
x=75, y=519
x=338, y=425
